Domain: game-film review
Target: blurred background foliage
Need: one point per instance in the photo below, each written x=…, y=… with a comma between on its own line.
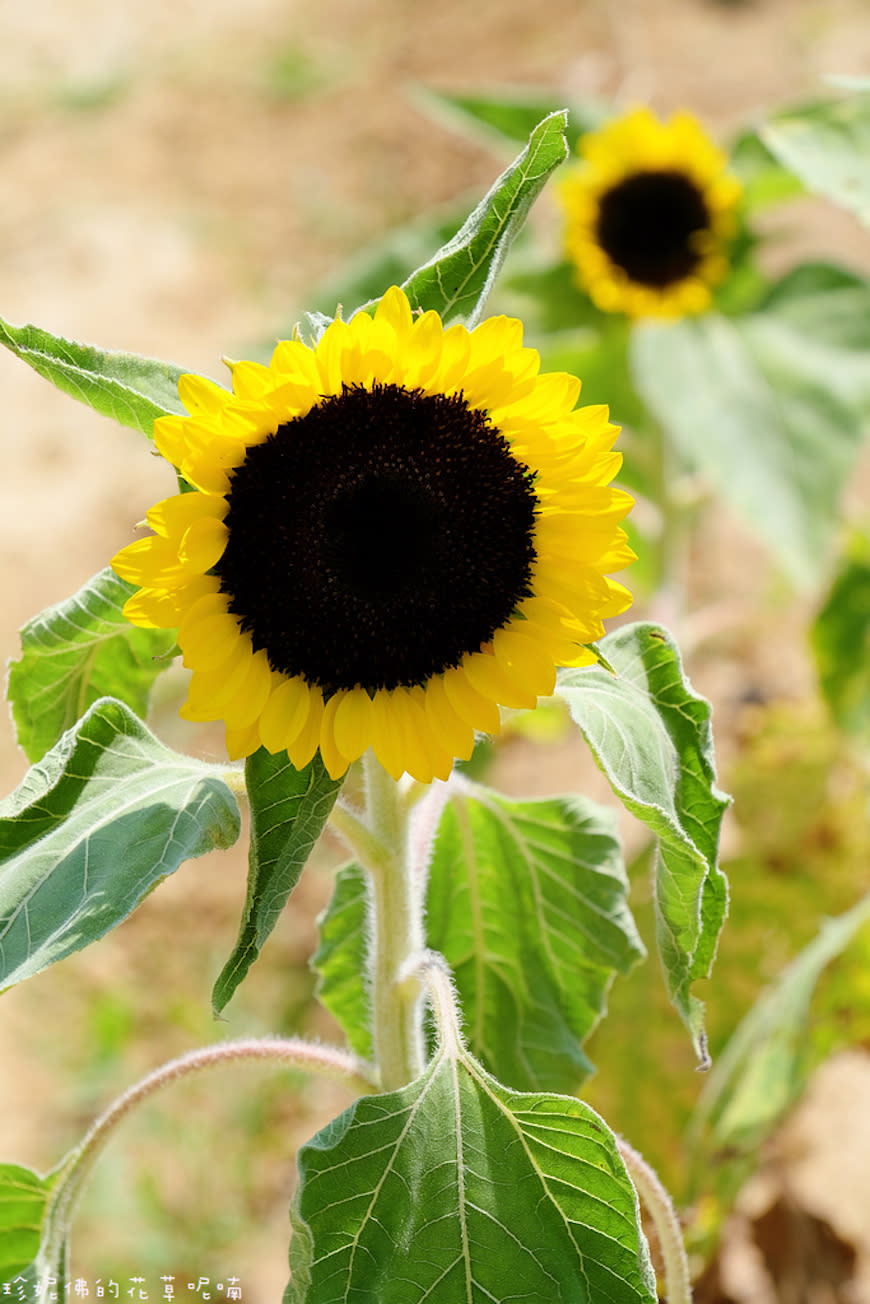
x=186, y=189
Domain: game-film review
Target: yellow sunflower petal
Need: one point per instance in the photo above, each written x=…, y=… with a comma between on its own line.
x=208, y=633
x=438, y=759
x=395, y=310
x=386, y=737
x=425, y=347
x=203, y=543
x=489, y=675
x=210, y=691
x=353, y=722
x=165, y=608
x=471, y=706
x=285, y=714
x=252, y=694
x=201, y=396
x=153, y=563
x=242, y=742
x=332, y=758
x=407, y=722
x=526, y=659
x=302, y=749
x=381, y=367
x=454, y=733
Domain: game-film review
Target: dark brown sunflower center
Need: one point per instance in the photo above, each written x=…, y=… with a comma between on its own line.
x=379, y=538
x=648, y=223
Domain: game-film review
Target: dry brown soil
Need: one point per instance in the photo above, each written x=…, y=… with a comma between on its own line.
x=173, y=177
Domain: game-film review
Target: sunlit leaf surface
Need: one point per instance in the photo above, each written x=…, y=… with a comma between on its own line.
x=650, y=733
x=106, y=815
x=289, y=808
x=73, y=653
x=457, y=1190
x=130, y=389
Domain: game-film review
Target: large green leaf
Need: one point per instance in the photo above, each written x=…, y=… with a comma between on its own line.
x=840, y=638
x=821, y=313
x=764, y=1068
x=75, y=652
x=341, y=958
x=772, y=407
x=457, y=1190
x=509, y=116
x=130, y=389
x=650, y=734
x=457, y=280
x=765, y=181
x=23, y=1199
x=289, y=808
x=827, y=146
x=527, y=902
x=106, y=815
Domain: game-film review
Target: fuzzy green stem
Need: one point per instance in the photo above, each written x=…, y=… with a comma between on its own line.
x=293, y=1051
x=435, y=975
x=657, y=1202
x=670, y=584
x=357, y=836
x=234, y=777
x=395, y=933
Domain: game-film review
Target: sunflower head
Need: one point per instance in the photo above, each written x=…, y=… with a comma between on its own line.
x=389, y=535
x=649, y=215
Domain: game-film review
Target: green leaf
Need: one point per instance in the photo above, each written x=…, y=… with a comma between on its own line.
x=828, y=306
x=508, y=116
x=457, y=1190
x=772, y=407
x=765, y=181
x=75, y=652
x=840, y=637
x=340, y=959
x=650, y=734
x=289, y=808
x=457, y=280
x=23, y=1199
x=827, y=146
x=527, y=902
x=106, y=815
x=764, y=1068
x=130, y=389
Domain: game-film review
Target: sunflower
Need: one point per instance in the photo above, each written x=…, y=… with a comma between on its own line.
x=649, y=216
x=389, y=535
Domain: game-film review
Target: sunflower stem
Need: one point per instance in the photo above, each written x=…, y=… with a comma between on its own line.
x=395, y=933
x=76, y=1168
x=657, y=1202
x=355, y=833
x=670, y=598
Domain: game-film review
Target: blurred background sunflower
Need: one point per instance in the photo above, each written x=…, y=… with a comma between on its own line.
x=174, y=184
x=649, y=214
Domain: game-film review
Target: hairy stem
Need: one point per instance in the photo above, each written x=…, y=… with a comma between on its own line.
x=658, y=1204
x=294, y=1051
x=395, y=933
x=672, y=544
x=357, y=836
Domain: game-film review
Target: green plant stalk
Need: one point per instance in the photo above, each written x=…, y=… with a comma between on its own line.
x=75, y=1169
x=657, y=1202
x=396, y=936
x=670, y=596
